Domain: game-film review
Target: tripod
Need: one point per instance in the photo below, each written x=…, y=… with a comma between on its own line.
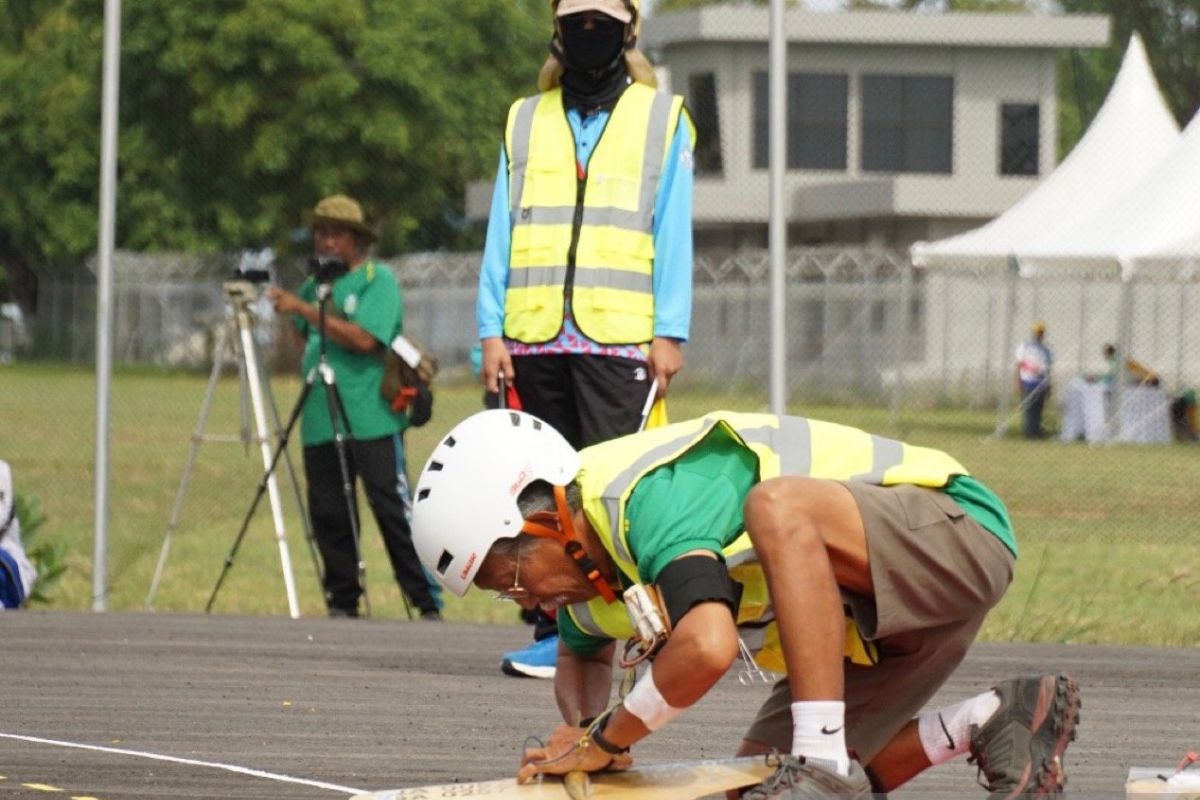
x=238, y=334
x=340, y=424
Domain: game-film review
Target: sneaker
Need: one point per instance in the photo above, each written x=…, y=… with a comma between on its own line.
x=1019, y=750
x=535, y=661
x=799, y=778
x=433, y=615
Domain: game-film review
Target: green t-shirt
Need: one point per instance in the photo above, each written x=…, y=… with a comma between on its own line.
x=696, y=503
x=693, y=503
x=368, y=296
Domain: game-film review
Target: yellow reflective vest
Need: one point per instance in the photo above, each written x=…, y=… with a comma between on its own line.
x=585, y=236
x=784, y=446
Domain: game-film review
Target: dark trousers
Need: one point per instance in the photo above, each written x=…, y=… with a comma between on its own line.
x=1033, y=398
x=588, y=399
x=379, y=463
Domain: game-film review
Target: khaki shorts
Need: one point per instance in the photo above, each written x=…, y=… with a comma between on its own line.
x=936, y=573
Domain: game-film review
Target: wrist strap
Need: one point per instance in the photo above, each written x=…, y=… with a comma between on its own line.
x=597, y=736
x=604, y=744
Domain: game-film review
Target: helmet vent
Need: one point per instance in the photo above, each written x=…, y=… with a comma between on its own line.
x=421, y=495
x=444, y=562
x=450, y=442
x=516, y=419
x=537, y=424
x=435, y=466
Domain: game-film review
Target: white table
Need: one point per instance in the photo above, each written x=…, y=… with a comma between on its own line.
x=1084, y=411
x=1144, y=416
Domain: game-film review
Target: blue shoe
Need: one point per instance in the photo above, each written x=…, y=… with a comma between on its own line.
x=535, y=661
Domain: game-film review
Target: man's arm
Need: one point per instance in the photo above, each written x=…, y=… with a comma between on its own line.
x=493, y=283
x=700, y=650
x=673, y=258
x=583, y=683
x=339, y=330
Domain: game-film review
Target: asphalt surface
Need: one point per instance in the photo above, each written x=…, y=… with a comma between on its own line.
x=320, y=708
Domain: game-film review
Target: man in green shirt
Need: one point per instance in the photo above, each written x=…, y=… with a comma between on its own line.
x=861, y=566
x=364, y=313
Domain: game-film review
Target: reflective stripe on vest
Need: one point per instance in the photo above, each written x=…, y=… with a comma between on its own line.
x=590, y=238
x=784, y=446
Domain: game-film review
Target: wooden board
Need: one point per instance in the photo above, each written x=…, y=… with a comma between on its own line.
x=1146, y=782
x=680, y=781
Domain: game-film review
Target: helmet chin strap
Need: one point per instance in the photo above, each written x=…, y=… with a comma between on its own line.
x=561, y=528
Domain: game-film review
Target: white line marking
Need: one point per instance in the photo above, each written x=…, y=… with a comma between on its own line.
x=333, y=787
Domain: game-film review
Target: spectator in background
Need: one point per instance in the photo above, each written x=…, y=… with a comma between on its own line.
x=17, y=574
x=365, y=314
x=1183, y=417
x=1033, y=380
x=586, y=284
x=1112, y=365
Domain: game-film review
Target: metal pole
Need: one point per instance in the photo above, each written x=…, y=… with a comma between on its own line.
x=104, y=292
x=777, y=230
x=1010, y=313
x=901, y=346
x=1183, y=278
x=1124, y=346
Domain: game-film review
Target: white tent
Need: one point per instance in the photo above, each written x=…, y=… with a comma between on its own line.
x=1152, y=227
x=1131, y=134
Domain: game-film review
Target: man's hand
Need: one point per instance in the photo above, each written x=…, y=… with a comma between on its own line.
x=666, y=358
x=283, y=301
x=495, y=360
x=562, y=754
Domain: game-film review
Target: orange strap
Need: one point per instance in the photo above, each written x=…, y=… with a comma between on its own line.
x=561, y=528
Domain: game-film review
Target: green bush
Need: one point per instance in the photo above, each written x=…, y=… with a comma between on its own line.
x=49, y=558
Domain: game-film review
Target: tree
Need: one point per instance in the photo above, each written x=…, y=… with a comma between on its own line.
x=235, y=115
x=1170, y=29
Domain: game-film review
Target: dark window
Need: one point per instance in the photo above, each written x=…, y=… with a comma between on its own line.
x=908, y=123
x=702, y=103
x=1019, y=134
x=816, y=128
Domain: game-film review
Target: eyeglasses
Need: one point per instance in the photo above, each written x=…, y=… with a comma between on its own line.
x=516, y=591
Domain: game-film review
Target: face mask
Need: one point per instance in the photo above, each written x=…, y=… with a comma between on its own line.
x=588, y=49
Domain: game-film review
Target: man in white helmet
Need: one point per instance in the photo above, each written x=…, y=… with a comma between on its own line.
x=861, y=566
x=585, y=287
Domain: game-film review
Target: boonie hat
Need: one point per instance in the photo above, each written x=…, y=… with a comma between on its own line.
x=338, y=209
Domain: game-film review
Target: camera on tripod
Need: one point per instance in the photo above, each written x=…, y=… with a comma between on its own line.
x=327, y=269
x=248, y=277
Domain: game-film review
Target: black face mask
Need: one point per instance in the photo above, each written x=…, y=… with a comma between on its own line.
x=591, y=49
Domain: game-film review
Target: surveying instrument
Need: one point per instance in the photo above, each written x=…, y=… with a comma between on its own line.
x=236, y=337
x=324, y=271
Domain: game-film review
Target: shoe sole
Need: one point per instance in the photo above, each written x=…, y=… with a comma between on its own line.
x=525, y=670
x=1055, y=720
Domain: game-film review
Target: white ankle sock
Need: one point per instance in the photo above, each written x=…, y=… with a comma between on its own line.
x=819, y=731
x=947, y=733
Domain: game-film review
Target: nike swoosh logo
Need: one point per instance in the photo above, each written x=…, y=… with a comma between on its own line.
x=828, y=732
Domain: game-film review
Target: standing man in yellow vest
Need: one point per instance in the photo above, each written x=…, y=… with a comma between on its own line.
x=586, y=283
x=863, y=567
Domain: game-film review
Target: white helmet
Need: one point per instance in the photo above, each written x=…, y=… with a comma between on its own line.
x=466, y=496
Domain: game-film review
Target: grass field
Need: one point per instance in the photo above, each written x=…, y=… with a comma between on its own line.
x=1108, y=534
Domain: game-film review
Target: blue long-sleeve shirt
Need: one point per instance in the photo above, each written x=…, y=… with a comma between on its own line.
x=672, y=278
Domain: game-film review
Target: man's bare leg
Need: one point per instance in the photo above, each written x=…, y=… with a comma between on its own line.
x=808, y=535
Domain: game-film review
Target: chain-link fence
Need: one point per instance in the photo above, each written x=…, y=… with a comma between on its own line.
x=901, y=128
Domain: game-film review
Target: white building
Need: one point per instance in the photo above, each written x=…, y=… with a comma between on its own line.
x=902, y=126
